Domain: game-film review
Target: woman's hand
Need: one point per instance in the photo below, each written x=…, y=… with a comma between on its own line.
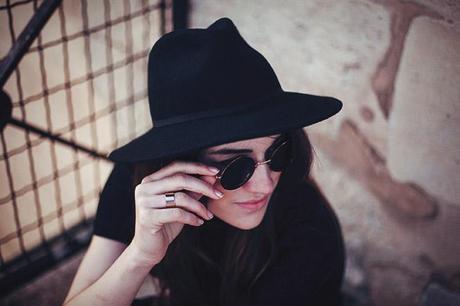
x=158, y=225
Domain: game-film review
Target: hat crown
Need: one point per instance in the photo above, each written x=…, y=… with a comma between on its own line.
x=193, y=71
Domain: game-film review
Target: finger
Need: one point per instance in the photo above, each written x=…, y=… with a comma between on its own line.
x=178, y=182
x=180, y=166
x=210, y=179
x=181, y=199
x=161, y=217
x=207, y=178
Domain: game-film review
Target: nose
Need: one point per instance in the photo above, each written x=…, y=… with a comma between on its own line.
x=261, y=180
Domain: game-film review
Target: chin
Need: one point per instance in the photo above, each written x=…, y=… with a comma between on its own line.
x=247, y=222
x=249, y=226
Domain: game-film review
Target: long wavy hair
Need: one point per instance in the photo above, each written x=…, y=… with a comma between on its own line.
x=184, y=271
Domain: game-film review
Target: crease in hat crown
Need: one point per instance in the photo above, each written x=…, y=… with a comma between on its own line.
x=196, y=73
x=223, y=23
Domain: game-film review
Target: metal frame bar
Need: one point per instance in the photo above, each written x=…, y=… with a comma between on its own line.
x=26, y=38
x=21, y=270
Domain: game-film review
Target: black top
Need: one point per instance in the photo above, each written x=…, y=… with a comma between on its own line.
x=310, y=265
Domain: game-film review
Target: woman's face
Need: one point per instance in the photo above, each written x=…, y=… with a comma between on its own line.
x=261, y=185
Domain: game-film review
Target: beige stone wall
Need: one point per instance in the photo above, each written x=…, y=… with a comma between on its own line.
x=389, y=162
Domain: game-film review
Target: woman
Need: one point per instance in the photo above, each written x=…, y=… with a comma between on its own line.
x=216, y=200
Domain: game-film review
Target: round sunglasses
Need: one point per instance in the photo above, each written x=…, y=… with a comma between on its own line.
x=238, y=170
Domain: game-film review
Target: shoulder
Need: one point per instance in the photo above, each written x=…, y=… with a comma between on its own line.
x=119, y=182
x=121, y=173
x=115, y=212
x=118, y=189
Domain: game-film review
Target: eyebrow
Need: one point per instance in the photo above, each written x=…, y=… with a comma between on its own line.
x=225, y=151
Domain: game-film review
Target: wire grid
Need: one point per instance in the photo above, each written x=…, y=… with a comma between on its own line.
x=83, y=79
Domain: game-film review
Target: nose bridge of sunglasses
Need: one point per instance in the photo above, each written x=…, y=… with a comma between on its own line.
x=263, y=162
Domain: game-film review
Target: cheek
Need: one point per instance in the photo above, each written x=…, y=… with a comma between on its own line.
x=228, y=198
x=226, y=203
x=223, y=208
x=276, y=176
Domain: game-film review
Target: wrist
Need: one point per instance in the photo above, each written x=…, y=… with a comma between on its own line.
x=138, y=258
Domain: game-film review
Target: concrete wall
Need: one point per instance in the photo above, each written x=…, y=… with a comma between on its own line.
x=389, y=162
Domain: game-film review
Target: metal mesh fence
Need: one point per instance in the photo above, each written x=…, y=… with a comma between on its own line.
x=78, y=92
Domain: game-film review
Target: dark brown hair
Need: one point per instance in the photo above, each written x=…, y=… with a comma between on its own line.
x=247, y=252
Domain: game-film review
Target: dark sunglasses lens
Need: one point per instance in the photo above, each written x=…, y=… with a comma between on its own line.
x=281, y=157
x=237, y=173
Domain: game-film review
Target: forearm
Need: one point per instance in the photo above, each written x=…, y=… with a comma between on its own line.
x=118, y=285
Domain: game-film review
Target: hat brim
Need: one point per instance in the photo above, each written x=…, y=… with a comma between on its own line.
x=288, y=110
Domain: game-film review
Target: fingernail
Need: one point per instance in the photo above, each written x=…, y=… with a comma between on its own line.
x=213, y=169
x=218, y=193
x=210, y=215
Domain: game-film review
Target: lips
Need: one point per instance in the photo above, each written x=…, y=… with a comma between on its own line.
x=253, y=205
x=253, y=202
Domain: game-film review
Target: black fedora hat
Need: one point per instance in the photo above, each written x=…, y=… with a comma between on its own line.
x=208, y=87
